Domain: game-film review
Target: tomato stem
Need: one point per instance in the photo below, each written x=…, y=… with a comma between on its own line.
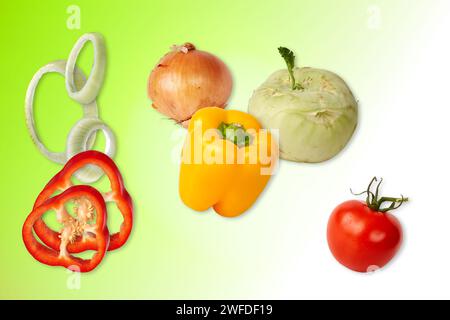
x=375, y=203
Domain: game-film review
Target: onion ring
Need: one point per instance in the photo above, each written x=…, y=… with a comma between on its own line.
x=90, y=90
x=89, y=109
x=78, y=141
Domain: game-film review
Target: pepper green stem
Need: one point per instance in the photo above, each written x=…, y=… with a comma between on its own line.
x=375, y=203
x=236, y=133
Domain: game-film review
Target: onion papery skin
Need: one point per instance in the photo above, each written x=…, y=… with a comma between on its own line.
x=184, y=82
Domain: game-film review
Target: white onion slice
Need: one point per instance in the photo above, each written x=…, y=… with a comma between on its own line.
x=90, y=90
x=78, y=141
x=89, y=110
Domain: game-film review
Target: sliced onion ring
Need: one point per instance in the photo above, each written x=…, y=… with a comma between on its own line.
x=90, y=90
x=89, y=110
x=78, y=141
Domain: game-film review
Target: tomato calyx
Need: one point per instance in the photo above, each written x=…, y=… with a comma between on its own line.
x=376, y=203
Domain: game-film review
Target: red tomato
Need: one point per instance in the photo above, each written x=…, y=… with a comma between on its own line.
x=361, y=238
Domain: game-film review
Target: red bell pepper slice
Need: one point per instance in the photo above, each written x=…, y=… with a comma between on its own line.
x=118, y=194
x=89, y=201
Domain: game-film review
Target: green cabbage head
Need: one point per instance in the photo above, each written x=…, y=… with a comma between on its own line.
x=315, y=122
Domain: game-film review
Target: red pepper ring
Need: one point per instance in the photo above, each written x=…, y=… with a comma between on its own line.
x=90, y=200
x=119, y=194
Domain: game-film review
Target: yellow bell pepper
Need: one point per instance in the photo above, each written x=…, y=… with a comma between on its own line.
x=227, y=161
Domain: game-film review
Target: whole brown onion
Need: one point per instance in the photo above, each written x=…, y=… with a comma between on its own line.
x=186, y=80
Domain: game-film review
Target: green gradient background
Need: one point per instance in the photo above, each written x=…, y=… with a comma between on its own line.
x=173, y=252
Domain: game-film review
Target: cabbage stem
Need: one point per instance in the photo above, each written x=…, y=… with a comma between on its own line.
x=289, y=57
